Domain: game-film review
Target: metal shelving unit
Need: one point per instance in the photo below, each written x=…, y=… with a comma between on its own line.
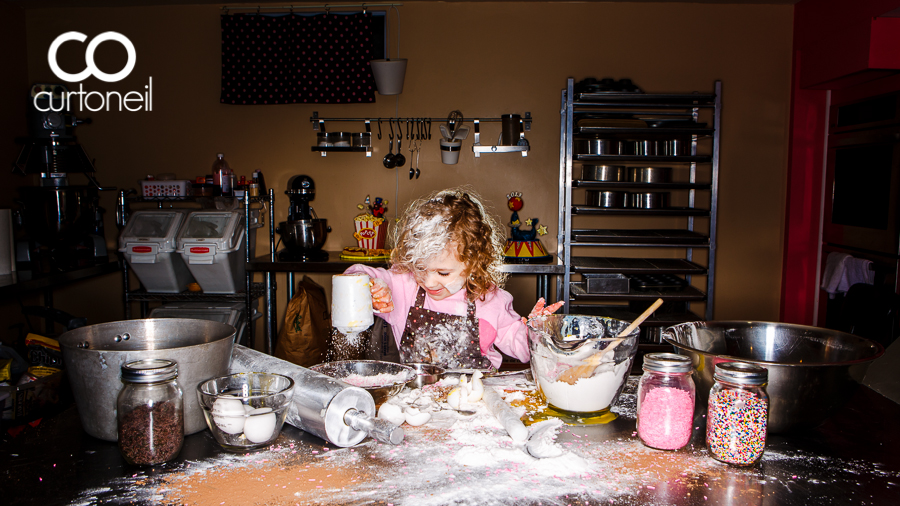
x=252, y=291
x=693, y=118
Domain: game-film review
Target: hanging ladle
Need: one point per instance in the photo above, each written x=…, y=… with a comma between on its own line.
x=388, y=160
x=414, y=171
x=399, y=159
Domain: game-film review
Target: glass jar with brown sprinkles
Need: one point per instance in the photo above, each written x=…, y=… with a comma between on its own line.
x=150, y=412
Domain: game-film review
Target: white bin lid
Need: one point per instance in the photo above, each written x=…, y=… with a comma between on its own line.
x=219, y=231
x=156, y=228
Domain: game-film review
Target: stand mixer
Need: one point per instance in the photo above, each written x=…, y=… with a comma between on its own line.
x=60, y=224
x=303, y=233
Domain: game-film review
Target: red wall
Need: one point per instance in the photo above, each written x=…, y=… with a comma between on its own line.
x=838, y=45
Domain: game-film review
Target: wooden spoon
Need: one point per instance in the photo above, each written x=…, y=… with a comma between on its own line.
x=573, y=374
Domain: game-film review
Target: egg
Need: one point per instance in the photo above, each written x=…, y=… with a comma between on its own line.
x=228, y=415
x=260, y=425
x=392, y=413
x=476, y=388
x=415, y=417
x=412, y=396
x=456, y=397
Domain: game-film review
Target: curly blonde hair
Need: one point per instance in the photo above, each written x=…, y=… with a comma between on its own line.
x=455, y=215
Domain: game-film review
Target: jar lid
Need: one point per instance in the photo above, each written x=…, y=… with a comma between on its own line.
x=741, y=373
x=149, y=370
x=667, y=362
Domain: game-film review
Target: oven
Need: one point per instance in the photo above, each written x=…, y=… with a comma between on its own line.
x=862, y=215
x=862, y=177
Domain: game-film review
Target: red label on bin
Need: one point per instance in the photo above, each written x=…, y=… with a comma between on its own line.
x=141, y=249
x=199, y=249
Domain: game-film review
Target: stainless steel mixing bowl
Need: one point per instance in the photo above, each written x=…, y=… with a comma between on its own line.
x=426, y=374
x=811, y=369
x=304, y=235
x=93, y=357
x=381, y=392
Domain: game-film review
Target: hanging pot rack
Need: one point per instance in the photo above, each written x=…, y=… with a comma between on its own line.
x=319, y=126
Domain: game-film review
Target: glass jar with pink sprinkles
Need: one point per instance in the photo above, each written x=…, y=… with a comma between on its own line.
x=665, y=401
x=738, y=413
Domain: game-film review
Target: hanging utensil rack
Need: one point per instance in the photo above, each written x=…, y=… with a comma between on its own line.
x=319, y=126
x=522, y=147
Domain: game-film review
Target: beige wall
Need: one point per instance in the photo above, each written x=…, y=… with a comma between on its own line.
x=485, y=59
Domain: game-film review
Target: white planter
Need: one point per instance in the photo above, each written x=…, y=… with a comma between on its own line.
x=389, y=75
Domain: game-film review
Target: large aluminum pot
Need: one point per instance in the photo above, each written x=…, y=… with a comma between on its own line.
x=811, y=369
x=93, y=357
x=304, y=235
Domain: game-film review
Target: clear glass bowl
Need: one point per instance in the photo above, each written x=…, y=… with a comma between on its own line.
x=579, y=363
x=245, y=411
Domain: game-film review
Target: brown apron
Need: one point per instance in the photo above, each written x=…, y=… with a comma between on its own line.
x=439, y=338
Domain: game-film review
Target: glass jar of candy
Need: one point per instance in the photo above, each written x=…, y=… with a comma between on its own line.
x=150, y=411
x=665, y=401
x=738, y=413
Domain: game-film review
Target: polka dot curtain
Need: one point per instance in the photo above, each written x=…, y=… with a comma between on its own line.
x=293, y=58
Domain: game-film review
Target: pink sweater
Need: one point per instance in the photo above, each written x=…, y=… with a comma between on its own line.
x=499, y=326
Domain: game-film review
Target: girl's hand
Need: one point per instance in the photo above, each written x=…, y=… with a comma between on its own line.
x=382, y=301
x=541, y=310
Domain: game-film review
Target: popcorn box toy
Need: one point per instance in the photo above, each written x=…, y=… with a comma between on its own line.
x=371, y=232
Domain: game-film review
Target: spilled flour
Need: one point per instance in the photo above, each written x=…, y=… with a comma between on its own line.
x=470, y=460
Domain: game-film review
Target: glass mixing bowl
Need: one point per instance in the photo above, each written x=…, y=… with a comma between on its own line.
x=580, y=365
x=245, y=411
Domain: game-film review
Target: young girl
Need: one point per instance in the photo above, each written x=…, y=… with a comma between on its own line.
x=442, y=296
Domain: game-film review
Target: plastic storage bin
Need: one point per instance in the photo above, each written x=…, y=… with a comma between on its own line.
x=231, y=313
x=211, y=244
x=149, y=242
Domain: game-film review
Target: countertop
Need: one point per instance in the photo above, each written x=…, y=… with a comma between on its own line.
x=853, y=458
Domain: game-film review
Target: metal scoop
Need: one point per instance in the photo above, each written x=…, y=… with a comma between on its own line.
x=388, y=160
x=399, y=158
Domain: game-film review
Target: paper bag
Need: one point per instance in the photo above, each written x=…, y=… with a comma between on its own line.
x=304, y=336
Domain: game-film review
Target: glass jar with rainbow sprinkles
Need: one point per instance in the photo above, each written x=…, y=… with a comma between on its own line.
x=738, y=413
